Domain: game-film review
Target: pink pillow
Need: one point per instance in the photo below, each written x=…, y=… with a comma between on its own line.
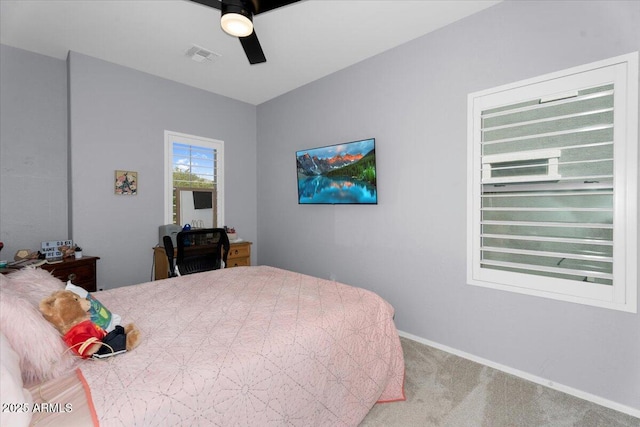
x=43, y=355
x=34, y=284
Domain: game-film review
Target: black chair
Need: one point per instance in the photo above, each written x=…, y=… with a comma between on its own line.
x=201, y=250
x=168, y=248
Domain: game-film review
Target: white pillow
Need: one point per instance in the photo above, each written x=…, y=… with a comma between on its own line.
x=16, y=400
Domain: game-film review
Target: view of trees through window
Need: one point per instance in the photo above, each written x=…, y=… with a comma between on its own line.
x=194, y=167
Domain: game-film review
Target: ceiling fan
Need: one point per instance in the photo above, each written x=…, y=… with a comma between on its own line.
x=236, y=19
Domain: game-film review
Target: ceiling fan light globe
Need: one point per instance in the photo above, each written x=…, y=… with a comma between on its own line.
x=236, y=24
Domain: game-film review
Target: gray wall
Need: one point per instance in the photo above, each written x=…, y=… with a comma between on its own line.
x=411, y=247
x=117, y=121
x=66, y=126
x=33, y=150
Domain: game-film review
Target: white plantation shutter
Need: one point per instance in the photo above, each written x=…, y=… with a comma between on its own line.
x=561, y=224
x=553, y=192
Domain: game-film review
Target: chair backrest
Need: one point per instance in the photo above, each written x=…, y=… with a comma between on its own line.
x=168, y=248
x=201, y=250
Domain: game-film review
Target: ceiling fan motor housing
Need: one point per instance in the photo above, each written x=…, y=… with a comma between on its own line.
x=237, y=6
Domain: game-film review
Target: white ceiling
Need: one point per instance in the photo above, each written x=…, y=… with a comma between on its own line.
x=302, y=42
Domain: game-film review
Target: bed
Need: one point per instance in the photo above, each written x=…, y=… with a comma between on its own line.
x=242, y=346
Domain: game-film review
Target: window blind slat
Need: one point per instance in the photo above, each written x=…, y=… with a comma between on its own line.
x=547, y=120
x=547, y=194
x=585, y=129
x=548, y=224
x=563, y=255
x=547, y=239
x=580, y=273
x=567, y=209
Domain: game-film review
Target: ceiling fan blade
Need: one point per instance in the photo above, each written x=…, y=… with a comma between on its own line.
x=216, y=4
x=260, y=6
x=252, y=48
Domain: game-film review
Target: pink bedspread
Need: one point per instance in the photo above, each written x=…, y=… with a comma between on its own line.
x=248, y=346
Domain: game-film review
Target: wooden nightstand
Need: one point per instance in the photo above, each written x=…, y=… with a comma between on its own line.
x=81, y=272
x=239, y=255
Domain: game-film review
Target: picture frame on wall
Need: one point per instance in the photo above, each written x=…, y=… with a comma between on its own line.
x=126, y=183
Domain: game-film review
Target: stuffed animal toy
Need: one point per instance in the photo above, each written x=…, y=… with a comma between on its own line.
x=68, y=312
x=67, y=251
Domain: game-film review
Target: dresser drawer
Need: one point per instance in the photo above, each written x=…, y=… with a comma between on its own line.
x=81, y=272
x=238, y=262
x=239, y=251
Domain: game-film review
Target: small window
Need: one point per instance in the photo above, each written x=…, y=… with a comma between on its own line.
x=194, y=180
x=553, y=190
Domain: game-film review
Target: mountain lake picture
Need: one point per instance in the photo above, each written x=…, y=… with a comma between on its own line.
x=338, y=174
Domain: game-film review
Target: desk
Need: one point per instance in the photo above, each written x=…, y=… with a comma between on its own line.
x=239, y=255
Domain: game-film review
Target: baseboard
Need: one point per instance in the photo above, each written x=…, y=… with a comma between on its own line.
x=527, y=376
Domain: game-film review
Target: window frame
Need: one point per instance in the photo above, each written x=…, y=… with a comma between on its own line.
x=169, y=138
x=622, y=295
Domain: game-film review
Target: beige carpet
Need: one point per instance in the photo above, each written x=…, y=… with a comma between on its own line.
x=446, y=390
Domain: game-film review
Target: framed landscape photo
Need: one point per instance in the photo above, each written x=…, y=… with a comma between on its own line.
x=126, y=183
x=338, y=174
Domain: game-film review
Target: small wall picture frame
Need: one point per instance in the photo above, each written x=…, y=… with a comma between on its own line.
x=126, y=183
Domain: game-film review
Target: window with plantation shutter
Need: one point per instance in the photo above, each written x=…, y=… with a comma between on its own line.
x=553, y=189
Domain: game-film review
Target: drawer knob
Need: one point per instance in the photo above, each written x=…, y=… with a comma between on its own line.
x=72, y=276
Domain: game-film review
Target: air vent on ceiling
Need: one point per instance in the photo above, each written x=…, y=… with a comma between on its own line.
x=200, y=54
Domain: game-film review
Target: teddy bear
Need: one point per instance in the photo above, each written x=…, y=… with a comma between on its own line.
x=69, y=313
